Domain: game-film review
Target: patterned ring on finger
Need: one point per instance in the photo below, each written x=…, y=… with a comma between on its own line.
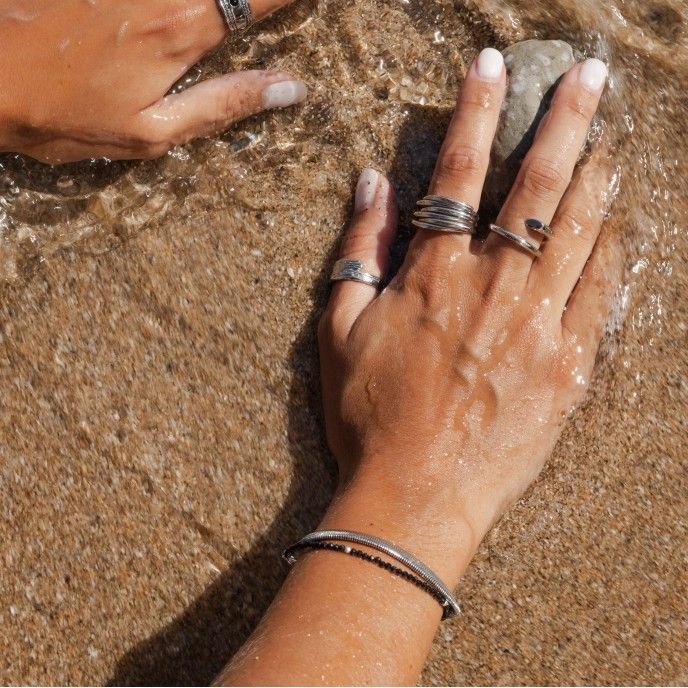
x=237, y=14
x=352, y=269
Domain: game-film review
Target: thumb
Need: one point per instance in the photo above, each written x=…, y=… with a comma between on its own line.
x=214, y=105
x=367, y=240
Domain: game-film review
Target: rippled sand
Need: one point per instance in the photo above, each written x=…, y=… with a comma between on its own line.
x=159, y=413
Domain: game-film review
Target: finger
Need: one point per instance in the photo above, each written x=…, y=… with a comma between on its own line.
x=187, y=29
x=212, y=106
x=588, y=309
x=576, y=224
x=263, y=8
x=547, y=169
x=368, y=240
x=62, y=150
x=260, y=9
x=465, y=155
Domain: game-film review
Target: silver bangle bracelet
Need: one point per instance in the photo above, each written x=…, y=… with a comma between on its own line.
x=425, y=574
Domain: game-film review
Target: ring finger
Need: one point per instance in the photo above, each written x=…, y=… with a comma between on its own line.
x=548, y=167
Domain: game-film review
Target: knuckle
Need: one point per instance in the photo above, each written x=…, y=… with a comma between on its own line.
x=158, y=25
x=172, y=25
x=542, y=179
x=462, y=162
x=359, y=241
x=144, y=139
x=579, y=222
x=577, y=105
x=228, y=104
x=505, y=283
x=430, y=287
x=148, y=136
x=481, y=97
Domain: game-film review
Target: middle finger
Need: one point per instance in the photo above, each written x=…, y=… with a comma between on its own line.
x=465, y=155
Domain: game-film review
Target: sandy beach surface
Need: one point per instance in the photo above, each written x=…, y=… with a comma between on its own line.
x=160, y=430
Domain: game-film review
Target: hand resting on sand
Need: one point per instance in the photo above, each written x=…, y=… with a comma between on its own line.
x=445, y=392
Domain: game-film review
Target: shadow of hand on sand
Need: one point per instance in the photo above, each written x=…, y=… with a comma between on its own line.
x=195, y=647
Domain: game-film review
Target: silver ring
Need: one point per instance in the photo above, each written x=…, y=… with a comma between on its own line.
x=348, y=269
x=539, y=226
x=237, y=14
x=444, y=214
x=517, y=239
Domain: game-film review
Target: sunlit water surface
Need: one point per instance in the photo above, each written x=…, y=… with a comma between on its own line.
x=403, y=70
x=383, y=77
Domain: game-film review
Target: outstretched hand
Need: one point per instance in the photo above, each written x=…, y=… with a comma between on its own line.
x=89, y=79
x=444, y=394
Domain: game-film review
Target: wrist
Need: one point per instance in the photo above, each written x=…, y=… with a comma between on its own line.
x=415, y=520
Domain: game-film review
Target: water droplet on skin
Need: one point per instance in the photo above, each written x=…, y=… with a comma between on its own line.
x=122, y=32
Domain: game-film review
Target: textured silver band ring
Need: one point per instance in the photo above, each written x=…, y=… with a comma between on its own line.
x=539, y=226
x=237, y=14
x=443, y=214
x=446, y=226
x=348, y=269
x=517, y=239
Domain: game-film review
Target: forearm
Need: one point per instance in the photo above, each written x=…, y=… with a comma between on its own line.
x=340, y=620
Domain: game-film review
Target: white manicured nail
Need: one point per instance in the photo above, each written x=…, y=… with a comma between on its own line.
x=366, y=189
x=593, y=74
x=490, y=64
x=284, y=93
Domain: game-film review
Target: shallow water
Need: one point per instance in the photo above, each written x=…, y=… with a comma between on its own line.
x=156, y=357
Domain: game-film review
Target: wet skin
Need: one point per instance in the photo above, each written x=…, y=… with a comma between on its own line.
x=445, y=393
x=82, y=79
x=460, y=373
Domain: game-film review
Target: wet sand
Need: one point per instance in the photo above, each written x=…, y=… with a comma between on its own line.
x=159, y=414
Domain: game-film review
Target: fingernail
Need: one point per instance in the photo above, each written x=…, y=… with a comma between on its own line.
x=593, y=74
x=490, y=64
x=284, y=93
x=365, y=189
